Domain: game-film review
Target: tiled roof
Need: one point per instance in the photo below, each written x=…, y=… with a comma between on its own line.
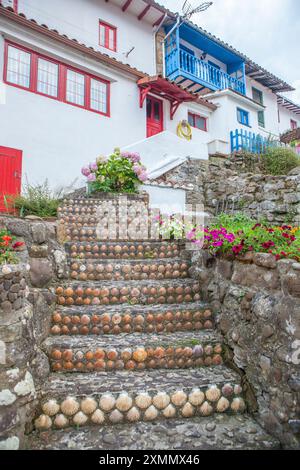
x=21, y=19
x=290, y=136
x=287, y=103
x=169, y=184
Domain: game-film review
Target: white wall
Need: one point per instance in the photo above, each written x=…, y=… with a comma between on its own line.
x=79, y=19
x=57, y=139
x=271, y=111
x=285, y=119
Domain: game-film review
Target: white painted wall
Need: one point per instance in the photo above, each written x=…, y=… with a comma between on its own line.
x=285, y=117
x=57, y=139
x=271, y=111
x=80, y=19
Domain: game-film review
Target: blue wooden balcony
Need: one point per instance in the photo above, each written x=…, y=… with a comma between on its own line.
x=185, y=45
x=180, y=63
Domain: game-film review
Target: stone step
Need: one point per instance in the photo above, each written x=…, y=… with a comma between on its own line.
x=134, y=351
x=129, y=292
x=113, y=398
x=94, y=233
x=217, y=432
x=124, y=250
x=90, y=205
x=125, y=319
x=93, y=270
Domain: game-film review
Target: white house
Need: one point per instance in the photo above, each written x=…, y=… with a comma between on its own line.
x=80, y=77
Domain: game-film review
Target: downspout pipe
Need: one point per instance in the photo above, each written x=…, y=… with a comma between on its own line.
x=155, y=30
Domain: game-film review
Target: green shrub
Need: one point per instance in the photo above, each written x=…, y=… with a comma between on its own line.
x=36, y=200
x=279, y=161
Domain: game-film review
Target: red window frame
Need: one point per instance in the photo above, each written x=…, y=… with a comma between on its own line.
x=108, y=27
x=294, y=124
x=194, y=116
x=62, y=79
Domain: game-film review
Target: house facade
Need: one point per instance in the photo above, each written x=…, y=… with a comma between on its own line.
x=79, y=77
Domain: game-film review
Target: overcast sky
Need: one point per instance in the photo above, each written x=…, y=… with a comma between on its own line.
x=267, y=31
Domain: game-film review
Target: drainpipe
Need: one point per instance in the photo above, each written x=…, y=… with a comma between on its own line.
x=164, y=42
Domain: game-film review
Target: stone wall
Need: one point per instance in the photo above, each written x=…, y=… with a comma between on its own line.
x=26, y=305
x=223, y=185
x=257, y=301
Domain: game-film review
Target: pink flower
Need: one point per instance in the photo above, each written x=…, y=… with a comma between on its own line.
x=237, y=249
x=91, y=177
x=85, y=171
x=143, y=176
x=138, y=169
x=191, y=235
x=218, y=243
x=93, y=166
x=229, y=237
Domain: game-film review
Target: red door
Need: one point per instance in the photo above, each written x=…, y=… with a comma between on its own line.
x=154, y=116
x=10, y=173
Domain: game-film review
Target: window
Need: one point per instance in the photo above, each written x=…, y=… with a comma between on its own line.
x=258, y=98
x=47, y=77
x=108, y=36
x=18, y=67
x=29, y=70
x=199, y=122
x=243, y=117
x=98, y=96
x=294, y=124
x=75, y=88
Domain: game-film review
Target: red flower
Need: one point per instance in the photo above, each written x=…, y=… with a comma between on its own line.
x=17, y=245
x=255, y=226
x=285, y=235
x=6, y=238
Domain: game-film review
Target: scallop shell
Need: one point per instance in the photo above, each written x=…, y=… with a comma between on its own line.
x=237, y=389
x=50, y=408
x=133, y=415
x=107, y=402
x=206, y=409
x=213, y=393
x=43, y=422
x=80, y=418
x=169, y=412
x=124, y=402
x=222, y=405
x=116, y=417
x=238, y=405
x=98, y=417
x=161, y=400
x=88, y=405
x=227, y=390
x=179, y=398
x=196, y=397
x=69, y=406
x=61, y=421
x=151, y=413
x=143, y=400
x=140, y=355
x=188, y=410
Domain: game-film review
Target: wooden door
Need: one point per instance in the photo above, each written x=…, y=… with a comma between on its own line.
x=10, y=173
x=154, y=116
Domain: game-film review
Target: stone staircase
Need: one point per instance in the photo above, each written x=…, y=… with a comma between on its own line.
x=136, y=361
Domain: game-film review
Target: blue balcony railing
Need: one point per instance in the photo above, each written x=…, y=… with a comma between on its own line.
x=250, y=142
x=201, y=72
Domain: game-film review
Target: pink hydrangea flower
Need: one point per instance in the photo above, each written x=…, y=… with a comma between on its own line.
x=85, y=171
x=93, y=166
x=91, y=177
x=143, y=176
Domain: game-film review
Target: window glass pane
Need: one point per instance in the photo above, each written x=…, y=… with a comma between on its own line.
x=261, y=118
x=98, y=96
x=200, y=123
x=18, y=67
x=102, y=35
x=156, y=111
x=75, y=87
x=191, y=119
x=257, y=95
x=111, y=39
x=47, y=81
x=149, y=108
